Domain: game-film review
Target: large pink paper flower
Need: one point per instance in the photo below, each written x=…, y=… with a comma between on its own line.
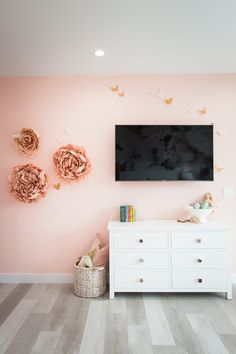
x=28, y=183
x=71, y=163
x=26, y=141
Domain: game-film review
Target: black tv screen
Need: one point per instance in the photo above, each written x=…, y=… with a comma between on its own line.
x=164, y=152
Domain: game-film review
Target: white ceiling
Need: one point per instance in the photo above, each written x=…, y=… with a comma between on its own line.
x=58, y=37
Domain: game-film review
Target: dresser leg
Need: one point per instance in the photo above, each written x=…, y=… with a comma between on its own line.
x=111, y=295
x=229, y=294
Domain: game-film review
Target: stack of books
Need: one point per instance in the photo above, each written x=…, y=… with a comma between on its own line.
x=127, y=213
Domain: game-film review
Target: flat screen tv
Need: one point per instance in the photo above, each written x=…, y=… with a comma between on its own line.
x=164, y=152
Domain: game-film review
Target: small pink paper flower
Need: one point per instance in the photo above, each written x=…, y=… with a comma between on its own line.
x=28, y=183
x=26, y=141
x=71, y=163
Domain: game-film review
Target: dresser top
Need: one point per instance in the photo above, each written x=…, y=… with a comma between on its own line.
x=165, y=225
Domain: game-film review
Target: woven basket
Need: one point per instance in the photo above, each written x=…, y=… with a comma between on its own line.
x=89, y=282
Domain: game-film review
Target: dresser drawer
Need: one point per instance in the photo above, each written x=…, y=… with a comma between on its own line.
x=208, y=239
x=141, y=240
x=200, y=279
x=200, y=259
x=141, y=259
x=141, y=279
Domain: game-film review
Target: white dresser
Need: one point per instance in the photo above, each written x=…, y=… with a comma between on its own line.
x=167, y=256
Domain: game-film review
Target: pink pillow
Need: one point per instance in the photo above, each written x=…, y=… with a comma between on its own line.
x=98, y=253
x=101, y=256
x=96, y=244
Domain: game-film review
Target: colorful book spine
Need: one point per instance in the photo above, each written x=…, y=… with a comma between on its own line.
x=130, y=213
x=122, y=213
x=127, y=213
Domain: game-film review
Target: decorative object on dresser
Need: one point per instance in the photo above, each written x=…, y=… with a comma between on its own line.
x=167, y=256
x=203, y=208
x=200, y=214
x=127, y=213
x=200, y=210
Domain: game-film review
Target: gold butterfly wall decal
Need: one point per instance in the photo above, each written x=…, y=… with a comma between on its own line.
x=114, y=88
x=60, y=139
x=67, y=132
x=202, y=111
x=221, y=132
x=190, y=111
x=57, y=186
x=168, y=100
x=157, y=93
x=218, y=168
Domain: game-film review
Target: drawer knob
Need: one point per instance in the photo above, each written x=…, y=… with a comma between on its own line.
x=141, y=280
x=141, y=240
x=199, y=280
x=199, y=260
x=199, y=240
x=141, y=260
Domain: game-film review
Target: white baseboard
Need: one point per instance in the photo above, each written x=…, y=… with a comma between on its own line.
x=62, y=278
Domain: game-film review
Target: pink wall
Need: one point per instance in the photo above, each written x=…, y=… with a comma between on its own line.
x=48, y=236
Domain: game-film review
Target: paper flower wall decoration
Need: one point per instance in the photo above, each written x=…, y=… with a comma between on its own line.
x=26, y=141
x=28, y=183
x=71, y=162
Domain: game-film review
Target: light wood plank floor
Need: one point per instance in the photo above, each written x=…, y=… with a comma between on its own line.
x=49, y=318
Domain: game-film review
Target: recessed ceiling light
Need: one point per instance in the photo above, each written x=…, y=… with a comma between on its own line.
x=99, y=53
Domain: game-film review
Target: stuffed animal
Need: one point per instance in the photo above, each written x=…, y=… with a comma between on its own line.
x=96, y=256
x=192, y=220
x=208, y=199
x=205, y=203
x=100, y=252
x=86, y=262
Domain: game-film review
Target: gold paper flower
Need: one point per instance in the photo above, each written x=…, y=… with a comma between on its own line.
x=71, y=163
x=28, y=183
x=27, y=141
